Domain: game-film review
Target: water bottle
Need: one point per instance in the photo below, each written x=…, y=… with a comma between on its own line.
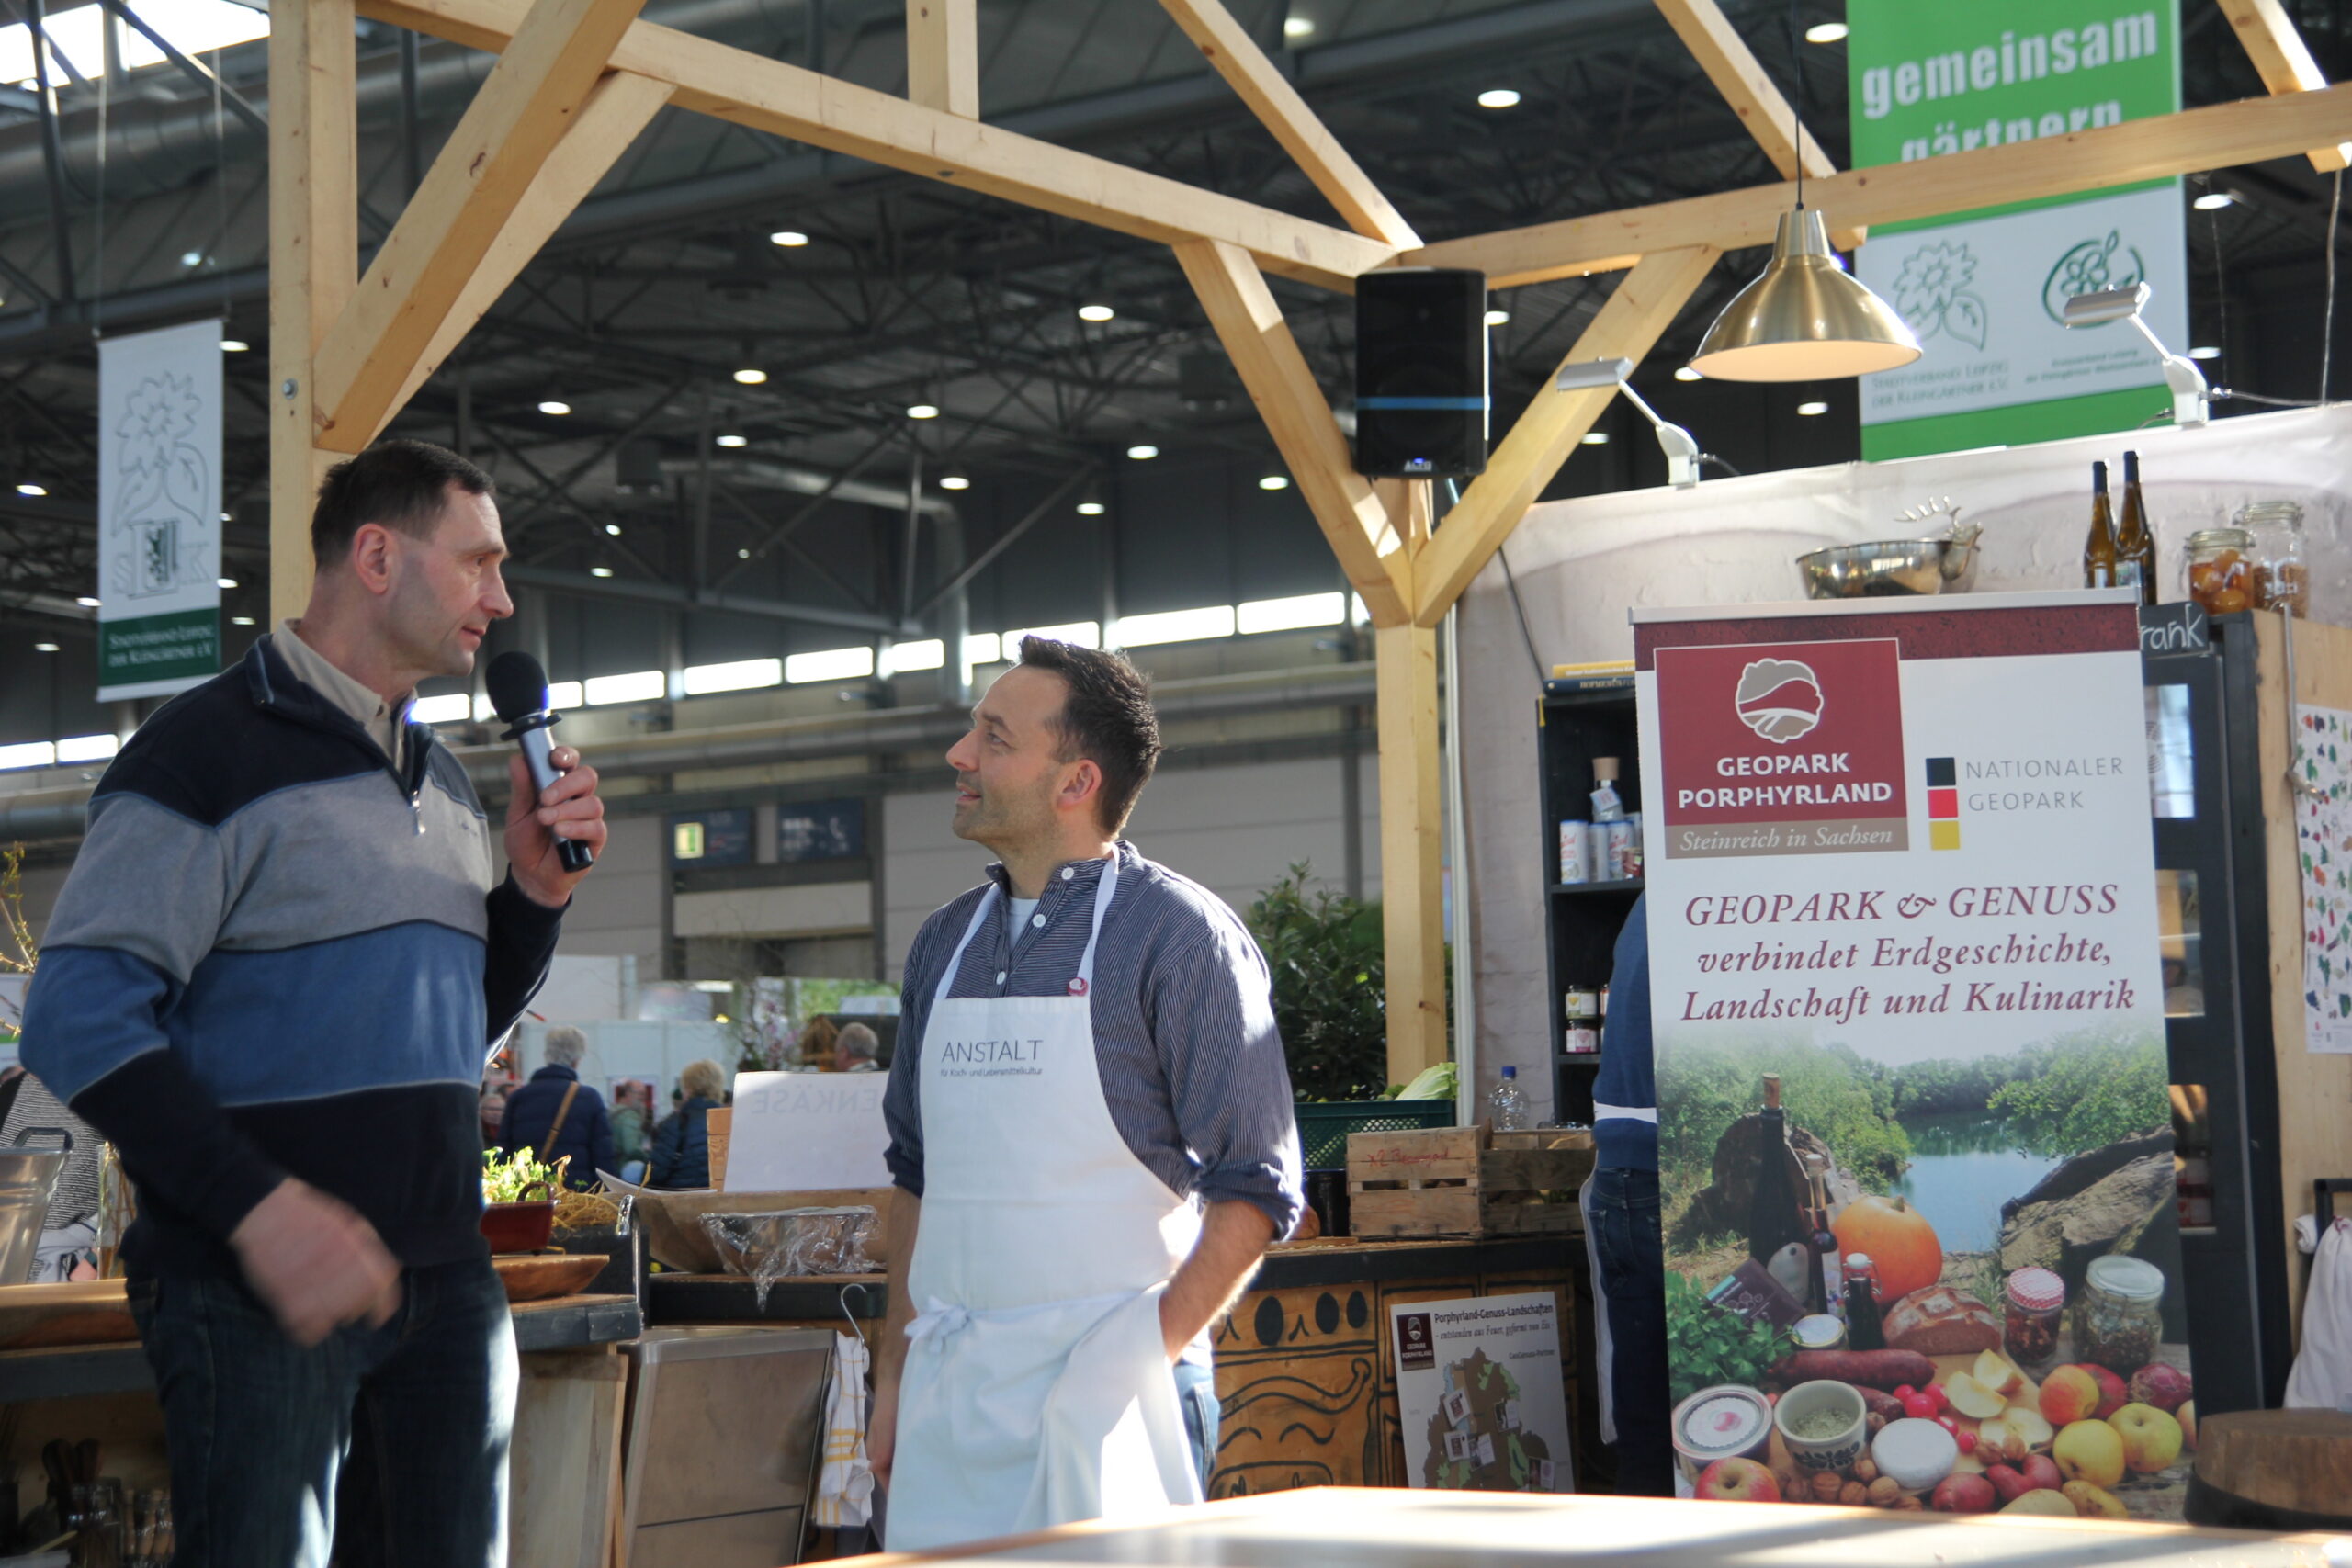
x=1506, y=1107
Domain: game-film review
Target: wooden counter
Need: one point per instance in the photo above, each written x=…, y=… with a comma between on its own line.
x=1484, y=1530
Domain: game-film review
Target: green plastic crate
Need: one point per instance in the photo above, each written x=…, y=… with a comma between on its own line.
x=1323, y=1128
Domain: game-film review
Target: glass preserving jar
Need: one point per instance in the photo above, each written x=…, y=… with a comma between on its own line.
x=2036, y=1301
x=2282, y=561
x=2119, y=1319
x=2218, y=570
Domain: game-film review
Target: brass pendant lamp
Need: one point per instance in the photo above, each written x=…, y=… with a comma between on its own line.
x=1805, y=318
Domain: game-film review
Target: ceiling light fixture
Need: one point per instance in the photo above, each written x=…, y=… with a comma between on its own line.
x=1681, y=448
x=743, y=555
x=1810, y=409
x=1090, y=503
x=44, y=648
x=2205, y=351
x=29, y=488
x=600, y=571
x=2190, y=407
x=1095, y=312
x=1595, y=438
x=1498, y=99
x=226, y=582
x=1805, y=318
x=552, y=406
x=1298, y=27
x=1826, y=32
x=1497, y=317
x=923, y=411
x=2214, y=200
x=241, y=620
x=614, y=529
x=751, y=376
x=954, y=479
x=191, y=258
x=87, y=602
x=1143, y=452
x=788, y=238
x=1274, y=481
x=234, y=345
x=730, y=439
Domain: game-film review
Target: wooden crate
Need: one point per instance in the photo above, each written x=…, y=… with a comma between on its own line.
x=1464, y=1182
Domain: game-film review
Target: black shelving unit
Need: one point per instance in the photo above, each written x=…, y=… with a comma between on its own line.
x=1579, y=718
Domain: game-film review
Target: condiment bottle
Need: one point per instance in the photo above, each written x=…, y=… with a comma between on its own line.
x=1863, y=1330
x=2218, y=570
x=1607, y=806
x=2098, y=548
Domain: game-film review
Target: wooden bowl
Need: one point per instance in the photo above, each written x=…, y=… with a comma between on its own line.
x=519, y=1227
x=544, y=1278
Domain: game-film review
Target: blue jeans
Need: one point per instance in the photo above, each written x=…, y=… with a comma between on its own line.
x=386, y=1445
x=1196, y=1394
x=1622, y=1209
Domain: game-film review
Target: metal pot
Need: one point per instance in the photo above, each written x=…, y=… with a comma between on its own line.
x=27, y=1178
x=1890, y=569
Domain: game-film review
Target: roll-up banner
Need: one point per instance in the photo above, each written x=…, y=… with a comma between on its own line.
x=1985, y=290
x=159, y=510
x=1906, y=985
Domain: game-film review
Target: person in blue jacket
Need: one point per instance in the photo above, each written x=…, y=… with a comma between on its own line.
x=1621, y=1227
x=555, y=1115
x=681, y=1143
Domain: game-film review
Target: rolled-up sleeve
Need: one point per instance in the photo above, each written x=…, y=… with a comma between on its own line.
x=1213, y=1022
x=901, y=1097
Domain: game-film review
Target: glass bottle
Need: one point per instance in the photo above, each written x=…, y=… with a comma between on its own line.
x=2119, y=1321
x=1778, y=1236
x=2281, y=559
x=1828, y=1280
x=2135, y=544
x=2218, y=570
x=1863, y=1329
x=2098, y=548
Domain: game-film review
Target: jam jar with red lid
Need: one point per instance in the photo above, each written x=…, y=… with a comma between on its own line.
x=2036, y=1302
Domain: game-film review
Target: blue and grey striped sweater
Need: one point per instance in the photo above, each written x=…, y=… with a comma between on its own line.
x=278, y=954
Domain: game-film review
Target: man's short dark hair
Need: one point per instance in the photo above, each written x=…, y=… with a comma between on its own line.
x=400, y=485
x=1107, y=719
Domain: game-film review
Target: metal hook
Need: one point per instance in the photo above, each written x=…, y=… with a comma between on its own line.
x=855, y=1326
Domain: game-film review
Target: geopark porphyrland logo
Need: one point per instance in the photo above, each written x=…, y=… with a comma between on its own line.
x=1780, y=699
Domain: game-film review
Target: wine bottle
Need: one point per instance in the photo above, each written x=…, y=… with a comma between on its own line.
x=2135, y=546
x=2098, y=548
x=1864, y=1330
x=1778, y=1236
x=1828, y=1280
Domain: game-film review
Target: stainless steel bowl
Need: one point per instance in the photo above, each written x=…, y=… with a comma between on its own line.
x=1889, y=569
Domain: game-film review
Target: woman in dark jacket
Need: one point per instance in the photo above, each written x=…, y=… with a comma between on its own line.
x=681, y=1143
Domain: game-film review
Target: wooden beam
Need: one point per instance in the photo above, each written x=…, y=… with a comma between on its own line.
x=1412, y=838
x=943, y=56
x=2216, y=137
x=1264, y=354
x=614, y=111
x=1753, y=96
x=482, y=175
x=1643, y=305
x=840, y=117
x=313, y=260
x=2284, y=62
x=1278, y=106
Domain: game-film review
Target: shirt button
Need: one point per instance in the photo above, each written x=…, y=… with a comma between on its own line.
x=999, y=976
x=1036, y=920
x=1068, y=872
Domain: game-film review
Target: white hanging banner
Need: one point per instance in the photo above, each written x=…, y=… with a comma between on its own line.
x=159, y=510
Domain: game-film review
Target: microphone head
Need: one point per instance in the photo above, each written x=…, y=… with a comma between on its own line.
x=518, y=686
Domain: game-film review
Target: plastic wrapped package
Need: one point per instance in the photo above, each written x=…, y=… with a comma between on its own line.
x=785, y=1243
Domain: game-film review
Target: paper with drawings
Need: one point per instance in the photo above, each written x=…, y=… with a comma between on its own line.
x=2323, y=851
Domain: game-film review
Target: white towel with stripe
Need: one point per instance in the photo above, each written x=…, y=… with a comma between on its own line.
x=845, y=1485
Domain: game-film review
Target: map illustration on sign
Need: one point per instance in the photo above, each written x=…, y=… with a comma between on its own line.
x=1475, y=1441
x=1480, y=1393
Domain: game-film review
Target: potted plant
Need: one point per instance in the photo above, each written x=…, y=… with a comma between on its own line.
x=1329, y=989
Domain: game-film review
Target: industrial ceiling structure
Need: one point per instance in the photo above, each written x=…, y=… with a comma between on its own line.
x=819, y=338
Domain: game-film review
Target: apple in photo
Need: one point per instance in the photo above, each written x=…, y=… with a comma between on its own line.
x=2041, y=1473
x=2091, y=1450
x=2187, y=1416
x=2068, y=1395
x=2043, y=1501
x=2114, y=1394
x=1737, y=1480
x=2166, y=1387
x=2151, y=1437
x=1964, y=1495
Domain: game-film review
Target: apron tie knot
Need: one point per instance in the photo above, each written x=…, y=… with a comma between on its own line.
x=938, y=1320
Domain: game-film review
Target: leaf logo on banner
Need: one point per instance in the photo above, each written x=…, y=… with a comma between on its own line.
x=1932, y=292
x=163, y=487
x=2088, y=267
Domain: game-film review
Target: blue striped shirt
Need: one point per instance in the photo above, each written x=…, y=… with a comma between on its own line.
x=1183, y=1018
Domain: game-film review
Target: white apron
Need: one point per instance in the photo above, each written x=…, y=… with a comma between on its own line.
x=1038, y=1389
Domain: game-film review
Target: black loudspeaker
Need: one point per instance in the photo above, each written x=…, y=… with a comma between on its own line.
x=1421, y=372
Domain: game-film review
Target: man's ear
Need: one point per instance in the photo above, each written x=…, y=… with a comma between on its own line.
x=373, y=550
x=1080, y=789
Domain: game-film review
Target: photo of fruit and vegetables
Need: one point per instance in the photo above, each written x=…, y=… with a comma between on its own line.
x=1946, y=1285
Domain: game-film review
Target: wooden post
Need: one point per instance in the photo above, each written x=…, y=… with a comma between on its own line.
x=1412, y=839
x=313, y=261
x=943, y=56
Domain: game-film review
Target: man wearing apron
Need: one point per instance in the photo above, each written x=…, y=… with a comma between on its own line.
x=1091, y=1131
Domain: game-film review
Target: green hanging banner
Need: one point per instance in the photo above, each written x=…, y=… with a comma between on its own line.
x=1985, y=290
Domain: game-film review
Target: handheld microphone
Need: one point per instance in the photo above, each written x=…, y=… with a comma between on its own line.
x=518, y=692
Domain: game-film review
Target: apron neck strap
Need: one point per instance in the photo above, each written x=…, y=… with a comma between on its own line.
x=1105, y=890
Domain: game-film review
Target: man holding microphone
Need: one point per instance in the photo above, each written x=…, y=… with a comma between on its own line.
x=271, y=980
